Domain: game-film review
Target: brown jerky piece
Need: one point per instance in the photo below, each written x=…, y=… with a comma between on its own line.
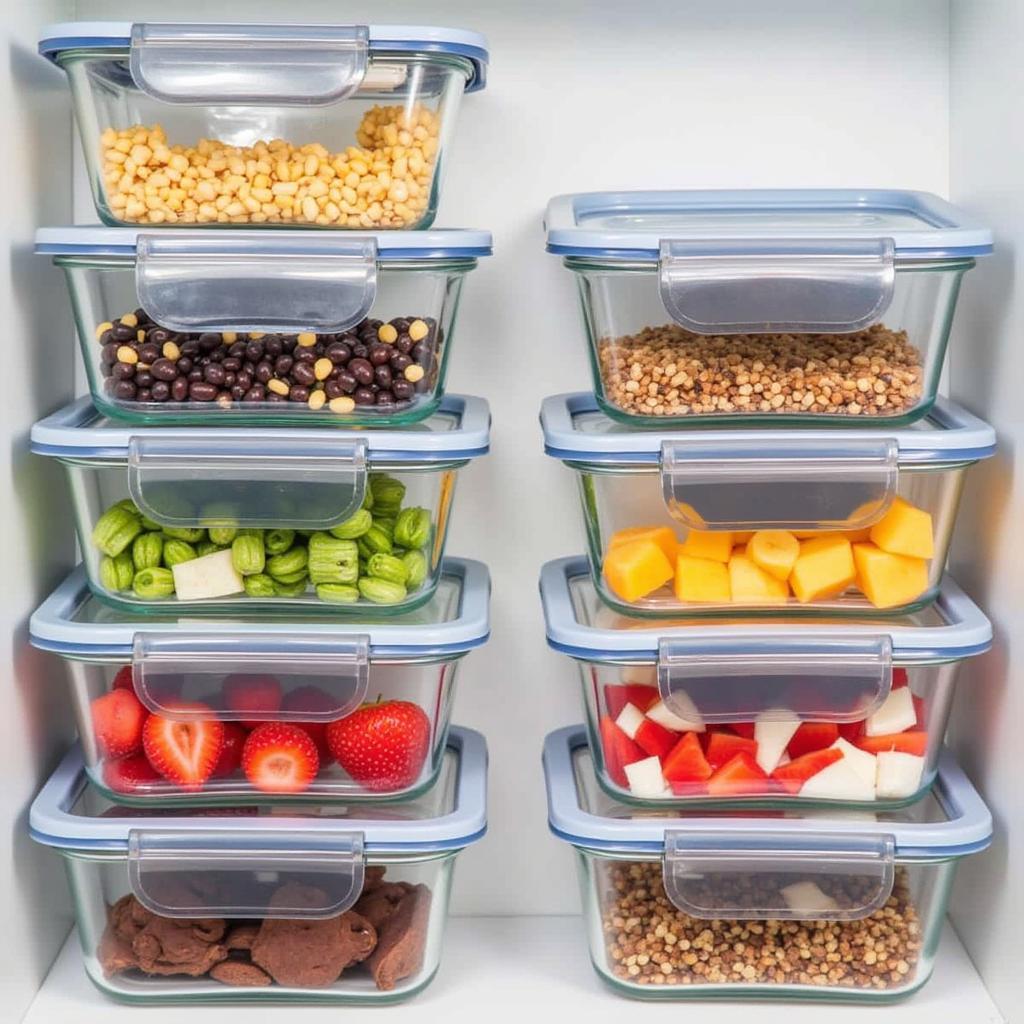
x=180, y=945
x=372, y=877
x=128, y=917
x=241, y=936
x=379, y=904
x=114, y=953
x=239, y=972
x=402, y=944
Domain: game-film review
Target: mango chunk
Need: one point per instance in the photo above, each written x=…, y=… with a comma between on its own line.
x=663, y=536
x=708, y=544
x=823, y=569
x=701, y=579
x=637, y=568
x=750, y=584
x=889, y=580
x=775, y=551
x=905, y=530
x=856, y=536
x=742, y=536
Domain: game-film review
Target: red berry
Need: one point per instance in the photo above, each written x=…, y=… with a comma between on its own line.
x=184, y=752
x=382, y=746
x=130, y=774
x=117, y=719
x=123, y=680
x=310, y=700
x=231, y=752
x=279, y=757
x=259, y=695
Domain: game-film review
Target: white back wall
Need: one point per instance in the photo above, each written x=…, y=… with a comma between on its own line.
x=597, y=95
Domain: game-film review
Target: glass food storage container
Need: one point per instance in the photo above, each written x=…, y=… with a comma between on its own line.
x=759, y=712
x=334, y=126
x=796, y=904
x=178, y=711
x=272, y=904
x=742, y=522
x=265, y=327
x=765, y=307
x=221, y=519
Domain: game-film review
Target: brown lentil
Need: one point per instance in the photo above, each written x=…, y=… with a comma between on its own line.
x=669, y=371
x=649, y=941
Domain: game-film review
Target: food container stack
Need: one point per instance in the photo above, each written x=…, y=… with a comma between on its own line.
x=766, y=638
x=263, y=637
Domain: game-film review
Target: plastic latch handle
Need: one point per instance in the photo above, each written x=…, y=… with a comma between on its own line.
x=774, y=875
x=238, y=677
x=830, y=678
x=192, y=281
x=260, y=873
x=741, y=286
x=250, y=65
x=779, y=484
x=245, y=482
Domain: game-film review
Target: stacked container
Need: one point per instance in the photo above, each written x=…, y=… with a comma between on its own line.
x=264, y=634
x=766, y=639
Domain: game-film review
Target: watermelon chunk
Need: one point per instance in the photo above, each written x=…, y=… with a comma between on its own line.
x=655, y=739
x=899, y=678
x=791, y=777
x=739, y=776
x=724, y=746
x=618, y=695
x=912, y=742
x=686, y=763
x=812, y=736
x=609, y=747
x=744, y=729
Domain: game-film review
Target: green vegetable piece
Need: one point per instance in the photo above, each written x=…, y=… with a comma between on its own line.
x=147, y=550
x=412, y=528
x=129, y=506
x=277, y=542
x=368, y=498
x=332, y=560
x=290, y=589
x=117, y=573
x=305, y=533
x=388, y=494
x=292, y=577
x=205, y=547
x=353, y=527
x=191, y=535
x=374, y=541
x=115, y=530
x=153, y=583
x=248, y=555
x=223, y=535
x=149, y=524
x=387, y=567
x=260, y=585
x=288, y=564
x=248, y=531
x=381, y=591
x=416, y=566
x=337, y=593
x=178, y=551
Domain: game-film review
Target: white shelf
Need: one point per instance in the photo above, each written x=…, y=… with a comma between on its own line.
x=523, y=968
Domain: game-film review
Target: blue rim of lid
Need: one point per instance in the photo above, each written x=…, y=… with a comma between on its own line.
x=429, y=39
x=945, y=231
x=51, y=822
x=965, y=633
x=79, y=431
x=949, y=433
x=967, y=829
x=392, y=246
x=55, y=627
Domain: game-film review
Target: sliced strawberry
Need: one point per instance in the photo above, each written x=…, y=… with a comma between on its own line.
x=117, y=720
x=130, y=774
x=724, y=746
x=655, y=739
x=231, y=752
x=686, y=764
x=186, y=752
x=279, y=757
x=740, y=776
x=791, y=777
x=812, y=736
x=123, y=680
x=256, y=695
x=618, y=695
x=911, y=742
x=609, y=747
x=309, y=700
x=382, y=746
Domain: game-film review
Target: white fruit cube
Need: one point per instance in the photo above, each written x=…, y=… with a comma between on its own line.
x=210, y=576
x=896, y=714
x=772, y=736
x=663, y=715
x=862, y=762
x=639, y=675
x=899, y=775
x=645, y=778
x=630, y=719
x=807, y=898
x=838, y=782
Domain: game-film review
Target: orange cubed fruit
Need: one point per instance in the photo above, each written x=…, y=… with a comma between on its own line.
x=710, y=544
x=663, y=536
x=750, y=584
x=823, y=569
x=889, y=580
x=905, y=530
x=636, y=569
x=701, y=579
x=775, y=551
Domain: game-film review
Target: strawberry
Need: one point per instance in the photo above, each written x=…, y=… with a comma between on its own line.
x=618, y=695
x=686, y=766
x=307, y=700
x=382, y=746
x=739, y=776
x=723, y=747
x=231, y=751
x=279, y=757
x=259, y=695
x=812, y=736
x=791, y=777
x=184, y=753
x=123, y=680
x=130, y=774
x=117, y=719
